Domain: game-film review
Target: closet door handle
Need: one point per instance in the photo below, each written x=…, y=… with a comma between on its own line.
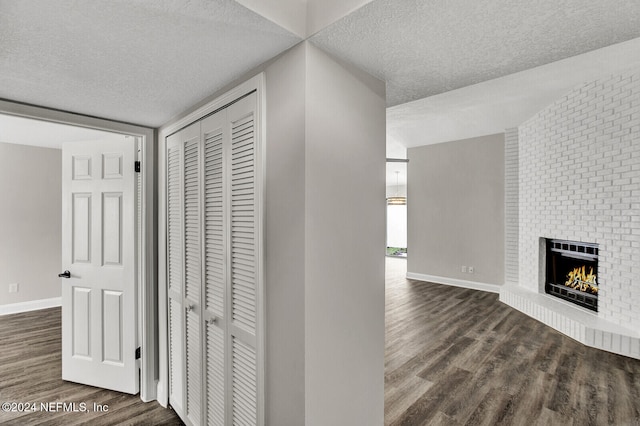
x=65, y=274
x=190, y=308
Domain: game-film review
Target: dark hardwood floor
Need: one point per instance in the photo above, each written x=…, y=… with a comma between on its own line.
x=453, y=357
x=30, y=371
x=460, y=357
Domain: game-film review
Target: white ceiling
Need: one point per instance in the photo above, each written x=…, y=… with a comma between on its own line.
x=25, y=131
x=425, y=47
x=491, y=107
x=137, y=61
x=449, y=64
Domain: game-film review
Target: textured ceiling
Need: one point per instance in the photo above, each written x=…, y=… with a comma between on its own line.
x=137, y=61
x=26, y=131
x=425, y=47
x=492, y=106
x=146, y=61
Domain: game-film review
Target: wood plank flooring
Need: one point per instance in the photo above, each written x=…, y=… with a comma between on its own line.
x=30, y=371
x=460, y=357
x=453, y=357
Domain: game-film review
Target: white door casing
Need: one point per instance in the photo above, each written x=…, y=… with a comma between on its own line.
x=99, y=304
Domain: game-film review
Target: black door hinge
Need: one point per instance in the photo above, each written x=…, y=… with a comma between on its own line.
x=138, y=353
x=136, y=167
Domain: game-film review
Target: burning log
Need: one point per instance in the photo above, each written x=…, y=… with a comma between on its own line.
x=578, y=279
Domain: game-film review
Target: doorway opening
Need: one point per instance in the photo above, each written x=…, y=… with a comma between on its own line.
x=29, y=131
x=397, y=207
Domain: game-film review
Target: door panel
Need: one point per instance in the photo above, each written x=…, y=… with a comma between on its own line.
x=81, y=167
x=243, y=266
x=81, y=228
x=81, y=322
x=215, y=401
x=112, y=229
x=99, y=249
x=112, y=323
x=176, y=356
x=245, y=399
x=214, y=133
x=184, y=271
x=175, y=266
x=112, y=166
x=174, y=213
x=214, y=216
x=192, y=222
x=193, y=274
x=194, y=367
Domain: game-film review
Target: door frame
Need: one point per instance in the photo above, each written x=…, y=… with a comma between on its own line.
x=257, y=84
x=146, y=286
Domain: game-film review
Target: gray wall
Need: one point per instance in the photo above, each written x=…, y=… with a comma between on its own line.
x=285, y=236
x=345, y=239
x=30, y=222
x=455, y=209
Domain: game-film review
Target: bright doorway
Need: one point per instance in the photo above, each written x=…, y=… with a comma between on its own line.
x=397, y=207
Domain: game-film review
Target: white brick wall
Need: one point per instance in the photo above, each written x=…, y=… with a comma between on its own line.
x=511, y=206
x=579, y=179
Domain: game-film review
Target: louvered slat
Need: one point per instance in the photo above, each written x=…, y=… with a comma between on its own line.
x=191, y=220
x=214, y=224
x=174, y=216
x=242, y=228
x=215, y=376
x=175, y=350
x=244, y=384
x=193, y=367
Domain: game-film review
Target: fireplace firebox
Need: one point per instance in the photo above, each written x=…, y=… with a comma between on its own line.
x=571, y=272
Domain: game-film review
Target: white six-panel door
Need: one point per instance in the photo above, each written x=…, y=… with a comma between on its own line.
x=99, y=251
x=213, y=269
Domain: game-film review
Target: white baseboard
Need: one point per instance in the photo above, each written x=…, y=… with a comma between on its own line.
x=474, y=285
x=32, y=305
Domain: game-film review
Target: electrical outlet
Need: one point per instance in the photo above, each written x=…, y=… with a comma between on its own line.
x=470, y=269
x=13, y=288
x=463, y=269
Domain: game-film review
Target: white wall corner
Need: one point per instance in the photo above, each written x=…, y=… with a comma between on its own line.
x=289, y=14
x=322, y=13
x=511, y=206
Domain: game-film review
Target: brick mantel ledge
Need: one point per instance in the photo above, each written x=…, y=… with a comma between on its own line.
x=585, y=327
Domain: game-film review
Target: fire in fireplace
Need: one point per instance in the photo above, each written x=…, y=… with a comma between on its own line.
x=571, y=272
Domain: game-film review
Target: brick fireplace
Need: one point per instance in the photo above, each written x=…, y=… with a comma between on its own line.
x=573, y=174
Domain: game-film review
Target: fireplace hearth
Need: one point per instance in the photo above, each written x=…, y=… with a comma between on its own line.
x=571, y=272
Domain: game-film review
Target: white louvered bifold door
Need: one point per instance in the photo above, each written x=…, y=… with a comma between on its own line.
x=193, y=274
x=175, y=276
x=214, y=132
x=214, y=270
x=184, y=272
x=242, y=298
